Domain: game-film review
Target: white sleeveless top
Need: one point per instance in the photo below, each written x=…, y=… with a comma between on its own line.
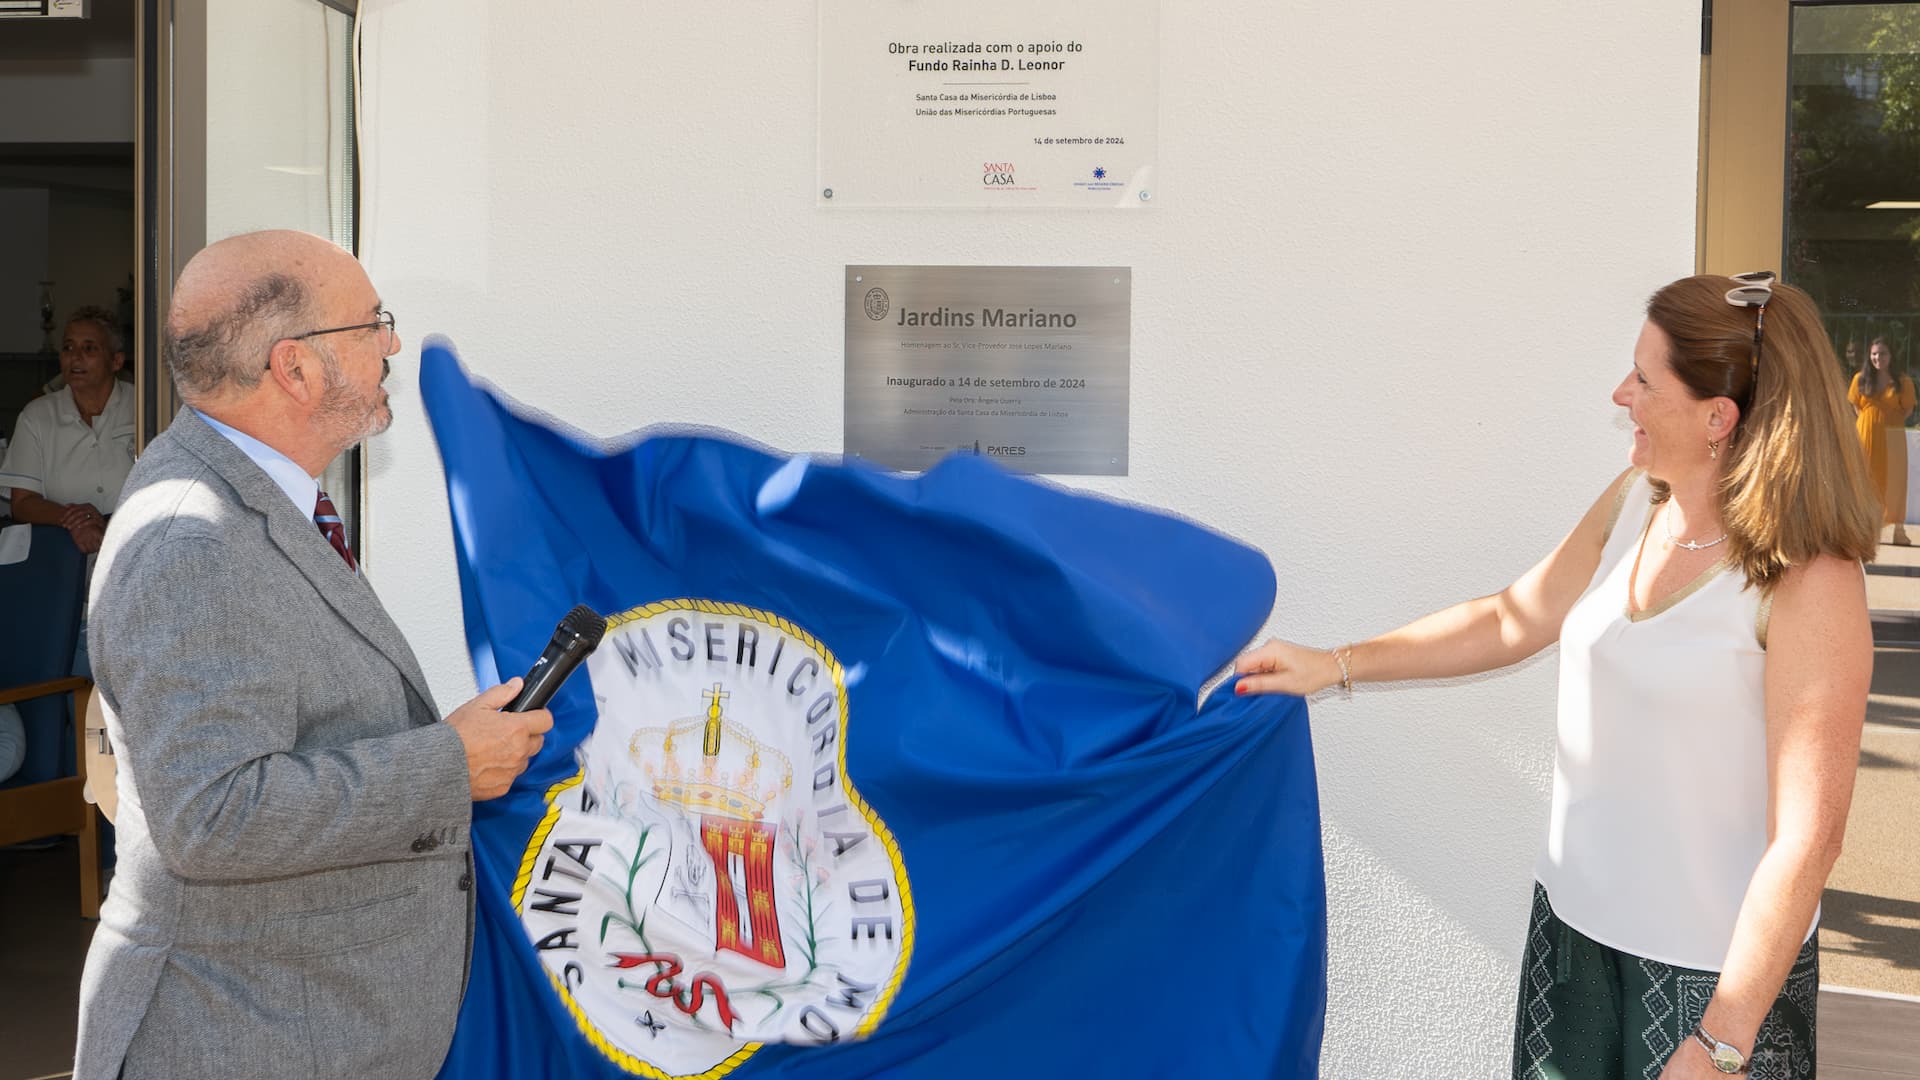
x=1660, y=779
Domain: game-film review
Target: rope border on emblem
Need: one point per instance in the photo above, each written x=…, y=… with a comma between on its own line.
x=909, y=920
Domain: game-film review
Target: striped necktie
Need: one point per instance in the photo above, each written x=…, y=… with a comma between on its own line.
x=331, y=527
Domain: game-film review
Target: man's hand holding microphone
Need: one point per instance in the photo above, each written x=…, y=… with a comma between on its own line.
x=499, y=744
x=505, y=726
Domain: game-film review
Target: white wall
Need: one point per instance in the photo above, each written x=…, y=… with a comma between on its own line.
x=1394, y=266
x=91, y=248
x=23, y=266
x=70, y=99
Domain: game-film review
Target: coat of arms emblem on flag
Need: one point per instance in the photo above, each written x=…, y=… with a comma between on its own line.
x=711, y=876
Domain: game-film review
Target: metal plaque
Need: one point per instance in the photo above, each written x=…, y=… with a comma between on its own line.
x=1027, y=365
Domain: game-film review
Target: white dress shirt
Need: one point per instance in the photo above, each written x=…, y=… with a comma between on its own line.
x=301, y=487
x=60, y=457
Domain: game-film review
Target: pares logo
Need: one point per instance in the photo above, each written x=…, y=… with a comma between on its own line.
x=1102, y=180
x=710, y=880
x=997, y=174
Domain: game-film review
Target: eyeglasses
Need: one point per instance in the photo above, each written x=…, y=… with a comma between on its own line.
x=1754, y=290
x=385, y=323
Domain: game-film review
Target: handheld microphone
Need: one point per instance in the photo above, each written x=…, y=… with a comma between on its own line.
x=578, y=634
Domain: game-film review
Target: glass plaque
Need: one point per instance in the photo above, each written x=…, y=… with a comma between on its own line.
x=989, y=103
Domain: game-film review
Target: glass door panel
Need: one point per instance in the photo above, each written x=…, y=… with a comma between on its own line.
x=1853, y=222
x=259, y=134
x=1852, y=240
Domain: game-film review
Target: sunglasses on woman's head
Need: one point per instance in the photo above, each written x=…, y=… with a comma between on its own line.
x=1754, y=290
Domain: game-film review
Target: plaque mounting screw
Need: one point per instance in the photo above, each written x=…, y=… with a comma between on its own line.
x=1145, y=196
x=828, y=193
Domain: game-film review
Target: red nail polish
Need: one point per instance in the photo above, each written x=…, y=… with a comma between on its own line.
x=1239, y=688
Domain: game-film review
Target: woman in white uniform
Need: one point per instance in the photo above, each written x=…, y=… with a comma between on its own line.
x=72, y=449
x=1714, y=663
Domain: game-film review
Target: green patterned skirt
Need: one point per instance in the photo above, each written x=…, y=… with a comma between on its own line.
x=1590, y=1012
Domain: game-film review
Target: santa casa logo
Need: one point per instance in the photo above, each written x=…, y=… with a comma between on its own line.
x=997, y=173
x=710, y=880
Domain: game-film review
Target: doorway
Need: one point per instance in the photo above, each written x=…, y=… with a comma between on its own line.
x=132, y=138
x=1810, y=128
x=69, y=200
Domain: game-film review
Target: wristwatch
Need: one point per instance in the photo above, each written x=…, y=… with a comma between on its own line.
x=1727, y=1059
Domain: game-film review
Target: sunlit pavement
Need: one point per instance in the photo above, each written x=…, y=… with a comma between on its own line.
x=1870, y=934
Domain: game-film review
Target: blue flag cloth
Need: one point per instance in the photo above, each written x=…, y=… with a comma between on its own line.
x=872, y=775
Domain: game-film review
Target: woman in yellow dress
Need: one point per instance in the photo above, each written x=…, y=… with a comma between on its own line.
x=1883, y=403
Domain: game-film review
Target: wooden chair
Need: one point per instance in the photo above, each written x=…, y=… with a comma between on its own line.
x=43, y=596
x=101, y=771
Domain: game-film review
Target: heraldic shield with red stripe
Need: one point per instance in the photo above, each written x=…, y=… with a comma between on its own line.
x=711, y=872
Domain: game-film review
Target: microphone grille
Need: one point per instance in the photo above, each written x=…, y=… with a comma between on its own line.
x=585, y=623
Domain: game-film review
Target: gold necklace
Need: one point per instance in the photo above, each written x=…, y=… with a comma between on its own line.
x=1666, y=522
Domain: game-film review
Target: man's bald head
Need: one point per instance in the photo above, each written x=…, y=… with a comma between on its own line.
x=237, y=297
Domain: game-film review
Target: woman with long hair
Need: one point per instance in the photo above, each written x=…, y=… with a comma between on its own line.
x=1883, y=399
x=1715, y=654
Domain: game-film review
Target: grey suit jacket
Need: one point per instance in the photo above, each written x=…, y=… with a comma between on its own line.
x=293, y=893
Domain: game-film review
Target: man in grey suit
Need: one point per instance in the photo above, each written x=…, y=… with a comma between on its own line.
x=294, y=890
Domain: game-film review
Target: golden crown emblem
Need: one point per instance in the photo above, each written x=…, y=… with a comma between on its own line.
x=733, y=775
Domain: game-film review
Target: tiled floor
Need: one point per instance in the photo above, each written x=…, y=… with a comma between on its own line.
x=1866, y=1037
x=43, y=941
x=1870, y=920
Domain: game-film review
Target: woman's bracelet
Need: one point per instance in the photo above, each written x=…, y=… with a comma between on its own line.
x=1344, y=657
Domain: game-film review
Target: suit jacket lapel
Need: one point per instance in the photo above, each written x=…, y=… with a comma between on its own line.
x=301, y=541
